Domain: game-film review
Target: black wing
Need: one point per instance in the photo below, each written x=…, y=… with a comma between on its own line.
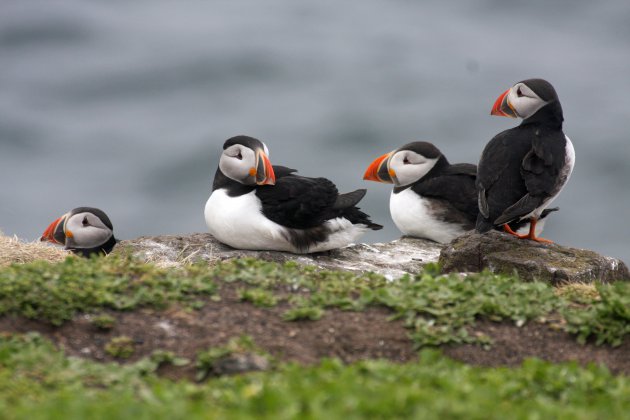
x=456, y=186
x=298, y=202
x=499, y=180
x=540, y=171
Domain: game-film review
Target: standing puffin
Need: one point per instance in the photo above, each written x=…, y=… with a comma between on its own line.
x=85, y=231
x=431, y=199
x=257, y=206
x=523, y=169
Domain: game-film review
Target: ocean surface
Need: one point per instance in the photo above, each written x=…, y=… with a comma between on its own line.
x=125, y=105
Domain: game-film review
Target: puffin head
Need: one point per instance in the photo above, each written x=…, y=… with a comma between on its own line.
x=525, y=99
x=405, y=165
x=81, y=229
x=245, y=160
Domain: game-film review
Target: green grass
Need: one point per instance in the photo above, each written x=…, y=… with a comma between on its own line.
x=436, y=308
x=37, y=381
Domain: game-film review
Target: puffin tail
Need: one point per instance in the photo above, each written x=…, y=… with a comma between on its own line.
x=350, y=199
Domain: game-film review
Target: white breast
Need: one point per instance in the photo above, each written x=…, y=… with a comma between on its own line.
x=412, y=216
x=240, y=223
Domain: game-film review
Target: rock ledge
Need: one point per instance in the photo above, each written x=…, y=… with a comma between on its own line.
x=503, y=253
x=471, y=252
x=392, y=259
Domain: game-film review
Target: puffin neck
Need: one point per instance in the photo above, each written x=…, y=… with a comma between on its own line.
x=234, y=188
x=549, y=115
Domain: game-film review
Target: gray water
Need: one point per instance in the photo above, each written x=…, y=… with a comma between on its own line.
x=125, y=105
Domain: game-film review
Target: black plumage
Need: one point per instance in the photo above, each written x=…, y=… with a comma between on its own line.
x=524, y=167
x=300, y=202
x=452, y=188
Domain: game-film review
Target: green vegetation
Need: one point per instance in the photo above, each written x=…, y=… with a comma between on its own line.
x=120, y=347
x=436, y=308
x=37, y=381
x=104, y=322
x=56, y=292
x=258, y=297
x=606, y=319
x=208, y=359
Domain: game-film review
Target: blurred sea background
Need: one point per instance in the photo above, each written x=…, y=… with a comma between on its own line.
x=125, y=105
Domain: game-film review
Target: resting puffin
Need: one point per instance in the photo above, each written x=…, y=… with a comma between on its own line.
x=85, y=231
x=254, y=205
x=431, y=199
x=523, y=169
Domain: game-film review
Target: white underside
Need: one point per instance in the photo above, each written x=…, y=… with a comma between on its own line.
x=240, y=223
x=411, y=215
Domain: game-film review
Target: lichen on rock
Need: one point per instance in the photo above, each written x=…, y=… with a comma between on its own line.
x=503, y=253
x=392, y=259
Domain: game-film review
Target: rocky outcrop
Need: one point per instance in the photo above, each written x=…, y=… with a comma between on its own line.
x=471, y=252
x=503, y=253
x=392, y=259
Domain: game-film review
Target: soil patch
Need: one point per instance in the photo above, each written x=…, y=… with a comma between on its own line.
x=511, y=345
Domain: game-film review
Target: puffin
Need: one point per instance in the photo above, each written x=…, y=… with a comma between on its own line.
x=523, y=169
x=432, y=198
x=85, y=231
x=254, y=205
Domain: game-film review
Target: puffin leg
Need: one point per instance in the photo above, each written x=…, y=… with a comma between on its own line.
x=508, y=229
x=532, y=232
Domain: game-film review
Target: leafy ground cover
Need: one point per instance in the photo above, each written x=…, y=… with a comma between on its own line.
x=38, y=381
x=437, y=309
x=180, y=323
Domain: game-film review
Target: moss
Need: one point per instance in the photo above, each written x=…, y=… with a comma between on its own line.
x=120, y=347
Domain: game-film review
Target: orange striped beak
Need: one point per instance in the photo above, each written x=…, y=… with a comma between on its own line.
x=54, y=232
x=502, y=106
x=264, y=170
x=378, y=171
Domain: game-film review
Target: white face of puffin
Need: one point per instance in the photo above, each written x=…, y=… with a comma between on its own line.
x=520, y=100
x=406, y=167
x=244, y=165
x=403, y=166
x=85, y=230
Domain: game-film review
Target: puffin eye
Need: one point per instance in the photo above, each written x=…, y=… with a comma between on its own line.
x=239, y=156
x=406, y=161
x=518, y=92
x=85, y=221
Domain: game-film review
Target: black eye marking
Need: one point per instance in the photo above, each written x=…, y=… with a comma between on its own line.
x=85, y=221
x=239, y=156
x=518, y=92
x=405, y=160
